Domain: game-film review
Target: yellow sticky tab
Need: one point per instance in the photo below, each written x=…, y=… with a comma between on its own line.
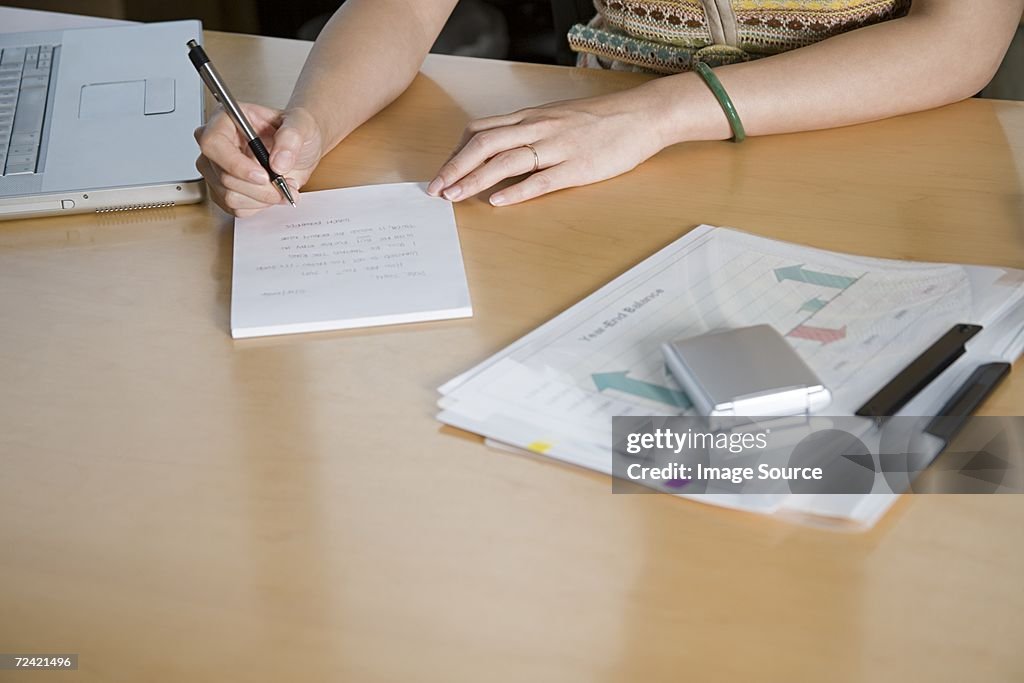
x=541, y=447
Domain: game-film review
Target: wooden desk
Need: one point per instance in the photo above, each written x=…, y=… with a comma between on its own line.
x=176, y=506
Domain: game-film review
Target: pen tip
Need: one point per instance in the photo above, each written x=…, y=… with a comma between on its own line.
x=293, y=203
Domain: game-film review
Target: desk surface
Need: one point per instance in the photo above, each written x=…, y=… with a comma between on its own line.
x=175, y=505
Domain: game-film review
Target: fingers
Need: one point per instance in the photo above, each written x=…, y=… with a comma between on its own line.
x=503, y=165
x=297, y=143
x=288, y=142
x=230, y=196
x=263, y=192
x=238, y=183
x=481, y=147
x=263, y=118
x=489, y=122
x=542, y=182
x=220, y=142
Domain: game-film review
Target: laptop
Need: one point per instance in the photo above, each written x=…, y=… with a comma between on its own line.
x=98, y=119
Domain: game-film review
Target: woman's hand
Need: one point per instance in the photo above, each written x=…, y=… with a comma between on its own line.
x=237, y=181
x=576, y=142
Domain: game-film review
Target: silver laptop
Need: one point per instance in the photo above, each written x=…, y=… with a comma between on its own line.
x=98, y=119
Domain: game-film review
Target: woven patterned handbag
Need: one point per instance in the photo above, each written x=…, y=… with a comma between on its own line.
x=668, y=36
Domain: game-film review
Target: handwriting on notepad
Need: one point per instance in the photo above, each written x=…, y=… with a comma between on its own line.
x=350, y=257
x=334, y=248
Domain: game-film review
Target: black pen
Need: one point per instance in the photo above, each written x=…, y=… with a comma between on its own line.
x=220, y=91
x=920, y=373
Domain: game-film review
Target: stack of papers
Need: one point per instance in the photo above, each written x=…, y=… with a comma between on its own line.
x=856, y=321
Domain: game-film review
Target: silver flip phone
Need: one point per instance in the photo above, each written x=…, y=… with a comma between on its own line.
x=749, y=371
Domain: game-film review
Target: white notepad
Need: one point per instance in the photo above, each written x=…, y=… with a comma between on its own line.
x=354, y=257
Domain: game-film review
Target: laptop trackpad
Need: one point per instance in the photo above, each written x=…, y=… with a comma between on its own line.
x=127, y=98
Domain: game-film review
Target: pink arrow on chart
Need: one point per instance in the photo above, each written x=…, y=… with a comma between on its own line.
x=824, y=335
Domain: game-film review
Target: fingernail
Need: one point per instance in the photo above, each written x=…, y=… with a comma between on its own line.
x=435, y=186
x=498, y=200
x=258, y=176
x=453, y=193
x=282, y=161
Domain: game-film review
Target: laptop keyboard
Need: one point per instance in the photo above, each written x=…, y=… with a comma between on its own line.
x=24, y=82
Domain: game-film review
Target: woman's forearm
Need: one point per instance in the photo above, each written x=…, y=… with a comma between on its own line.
x=366, y=55
x=942, y=52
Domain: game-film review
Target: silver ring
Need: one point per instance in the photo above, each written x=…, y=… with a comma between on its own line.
x=536, y=157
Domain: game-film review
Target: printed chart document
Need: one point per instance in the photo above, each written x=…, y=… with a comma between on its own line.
x=353, y=257
x=856, y=322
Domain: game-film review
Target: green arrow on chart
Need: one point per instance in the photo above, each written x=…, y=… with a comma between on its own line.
x=814, y=305
x=627, y=385
x=799, y=274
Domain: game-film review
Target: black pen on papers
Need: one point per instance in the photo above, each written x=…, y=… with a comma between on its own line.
x=920, y=373
x=220, y=91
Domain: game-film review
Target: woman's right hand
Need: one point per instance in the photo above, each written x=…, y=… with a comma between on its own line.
x=237, y=181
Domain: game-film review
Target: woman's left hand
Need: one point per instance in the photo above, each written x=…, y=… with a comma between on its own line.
x=563, y=144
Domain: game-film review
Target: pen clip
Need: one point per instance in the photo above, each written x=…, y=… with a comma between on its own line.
x=958, y=409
